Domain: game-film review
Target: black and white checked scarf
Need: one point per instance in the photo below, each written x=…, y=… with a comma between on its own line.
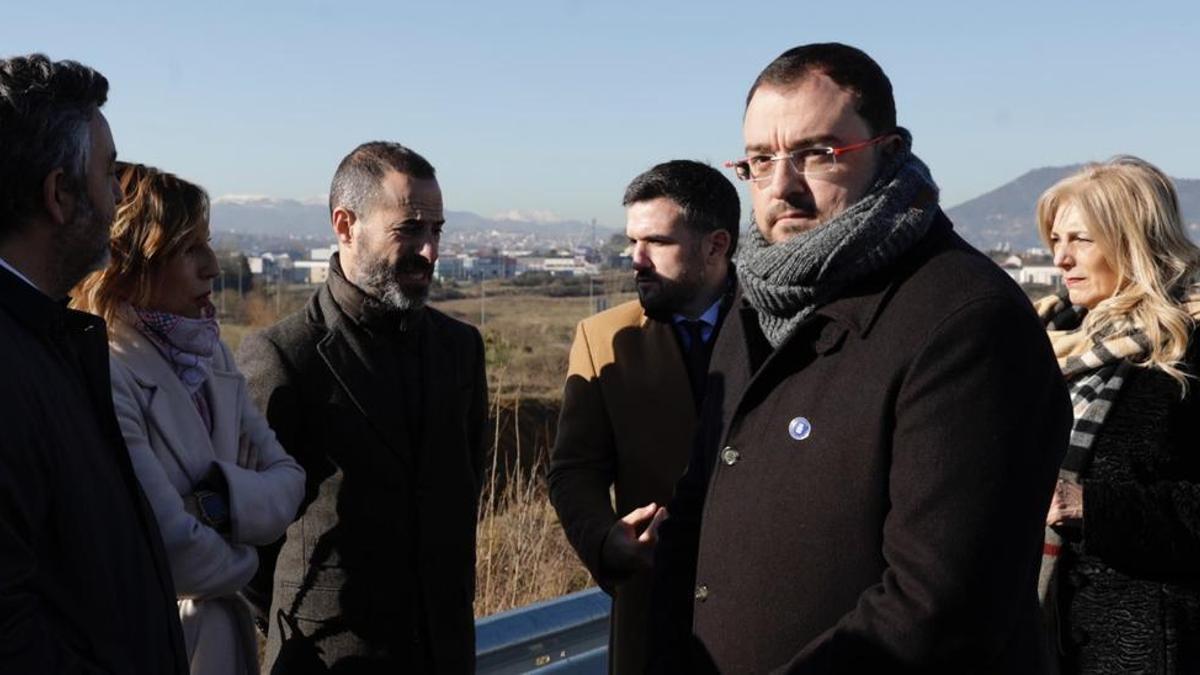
x=1094, y=378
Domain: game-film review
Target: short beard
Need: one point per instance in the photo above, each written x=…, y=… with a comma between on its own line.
x=670, y=297
x=381, y=280
x=82, y=243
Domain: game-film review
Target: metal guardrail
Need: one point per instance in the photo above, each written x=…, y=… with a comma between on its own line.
x=563, y=635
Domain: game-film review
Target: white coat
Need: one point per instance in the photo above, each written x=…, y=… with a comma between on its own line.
x=172, y=451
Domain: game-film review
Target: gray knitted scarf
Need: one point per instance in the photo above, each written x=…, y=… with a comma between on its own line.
x=786, y=282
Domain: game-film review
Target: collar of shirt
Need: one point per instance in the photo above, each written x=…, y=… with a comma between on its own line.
x=708, y=322
x=22, y=277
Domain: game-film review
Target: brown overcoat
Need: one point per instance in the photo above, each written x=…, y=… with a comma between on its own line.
x=874, y=491
x=627, y=422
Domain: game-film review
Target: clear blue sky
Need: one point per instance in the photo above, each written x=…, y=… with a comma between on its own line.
x=557, y=105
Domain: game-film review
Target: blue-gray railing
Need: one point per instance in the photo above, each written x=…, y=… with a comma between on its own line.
x=563, y=635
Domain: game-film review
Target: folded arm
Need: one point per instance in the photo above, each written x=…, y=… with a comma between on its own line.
x=203, y=563
x=266, y=491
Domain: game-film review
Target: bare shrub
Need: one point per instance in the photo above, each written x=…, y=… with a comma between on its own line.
x=522, y=554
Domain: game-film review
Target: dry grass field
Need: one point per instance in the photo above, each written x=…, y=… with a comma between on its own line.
x=528, y=338
x=523, y=556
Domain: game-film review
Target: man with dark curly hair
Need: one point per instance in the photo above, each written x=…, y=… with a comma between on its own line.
x=84, y=583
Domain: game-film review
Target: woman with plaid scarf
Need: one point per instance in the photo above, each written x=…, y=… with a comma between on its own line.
x=1120, y=577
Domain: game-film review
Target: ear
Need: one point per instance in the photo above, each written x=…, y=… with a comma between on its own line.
x=343, y=220
x=718, y=244
x=892, y=145
x=56, y=198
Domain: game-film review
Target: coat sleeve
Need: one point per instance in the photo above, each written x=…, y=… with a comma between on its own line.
x=263, y=498
x=583, y=461
x=1150, y=524
x=477, y=416
x=203, y=563
x=981, y=422
x=272, y=387
x=29, y=642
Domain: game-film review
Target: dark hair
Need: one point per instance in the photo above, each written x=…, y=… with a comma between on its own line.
x=357, y=179
x=160, y=214
x=708, y=200
x=848, y=67
x=45, y=109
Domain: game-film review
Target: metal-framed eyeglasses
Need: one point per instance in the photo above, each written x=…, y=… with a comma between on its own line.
x=813, y=161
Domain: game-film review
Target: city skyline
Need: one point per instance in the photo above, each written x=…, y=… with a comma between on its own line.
x=546, y=110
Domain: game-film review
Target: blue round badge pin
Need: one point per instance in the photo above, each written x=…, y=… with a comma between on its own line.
x=799, y=428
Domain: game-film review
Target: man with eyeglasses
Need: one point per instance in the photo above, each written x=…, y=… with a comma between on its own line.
x=868, y=487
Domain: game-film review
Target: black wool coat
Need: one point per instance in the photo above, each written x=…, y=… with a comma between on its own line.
x=85, y=586
x=1130, y=587
x=870, y=497
x=377, y=575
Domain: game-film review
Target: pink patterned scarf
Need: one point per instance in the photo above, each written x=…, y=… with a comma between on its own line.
x=188, y=345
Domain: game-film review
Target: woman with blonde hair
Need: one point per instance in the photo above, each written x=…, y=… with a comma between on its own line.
x=1120, y=578
x=218, y=481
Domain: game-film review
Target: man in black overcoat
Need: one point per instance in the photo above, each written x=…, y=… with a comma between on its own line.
x=383, y=401
x=884, y=419
x=84, y=582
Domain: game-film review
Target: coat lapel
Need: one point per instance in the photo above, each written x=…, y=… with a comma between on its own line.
x=662, y=369
x=344, y=356
x=170, y=408
x=821, y=332
x=735, y=349
x=224, y=395
x=439, y=376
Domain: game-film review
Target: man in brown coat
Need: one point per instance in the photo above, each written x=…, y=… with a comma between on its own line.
x=636, y=373
x=884, y=418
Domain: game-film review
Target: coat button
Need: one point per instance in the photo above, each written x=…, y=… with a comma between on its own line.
x=701, y=592
x=730, y=455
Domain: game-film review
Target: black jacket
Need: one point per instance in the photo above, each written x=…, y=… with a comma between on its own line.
x=1131, y=586
x=378, y=572
x=84, y=582
x=870, y=497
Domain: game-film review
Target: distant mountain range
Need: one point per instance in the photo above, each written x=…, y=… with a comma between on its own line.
x=1003, y=216
x=1006, y=215
x=310, y=218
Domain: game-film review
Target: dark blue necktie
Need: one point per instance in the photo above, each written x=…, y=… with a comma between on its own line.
x=696, y=358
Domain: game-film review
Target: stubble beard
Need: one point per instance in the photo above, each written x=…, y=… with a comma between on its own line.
x=81, y=244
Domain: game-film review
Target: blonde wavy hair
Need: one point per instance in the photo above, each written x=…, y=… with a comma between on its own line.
x=159, y=215
x=1132, y=212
